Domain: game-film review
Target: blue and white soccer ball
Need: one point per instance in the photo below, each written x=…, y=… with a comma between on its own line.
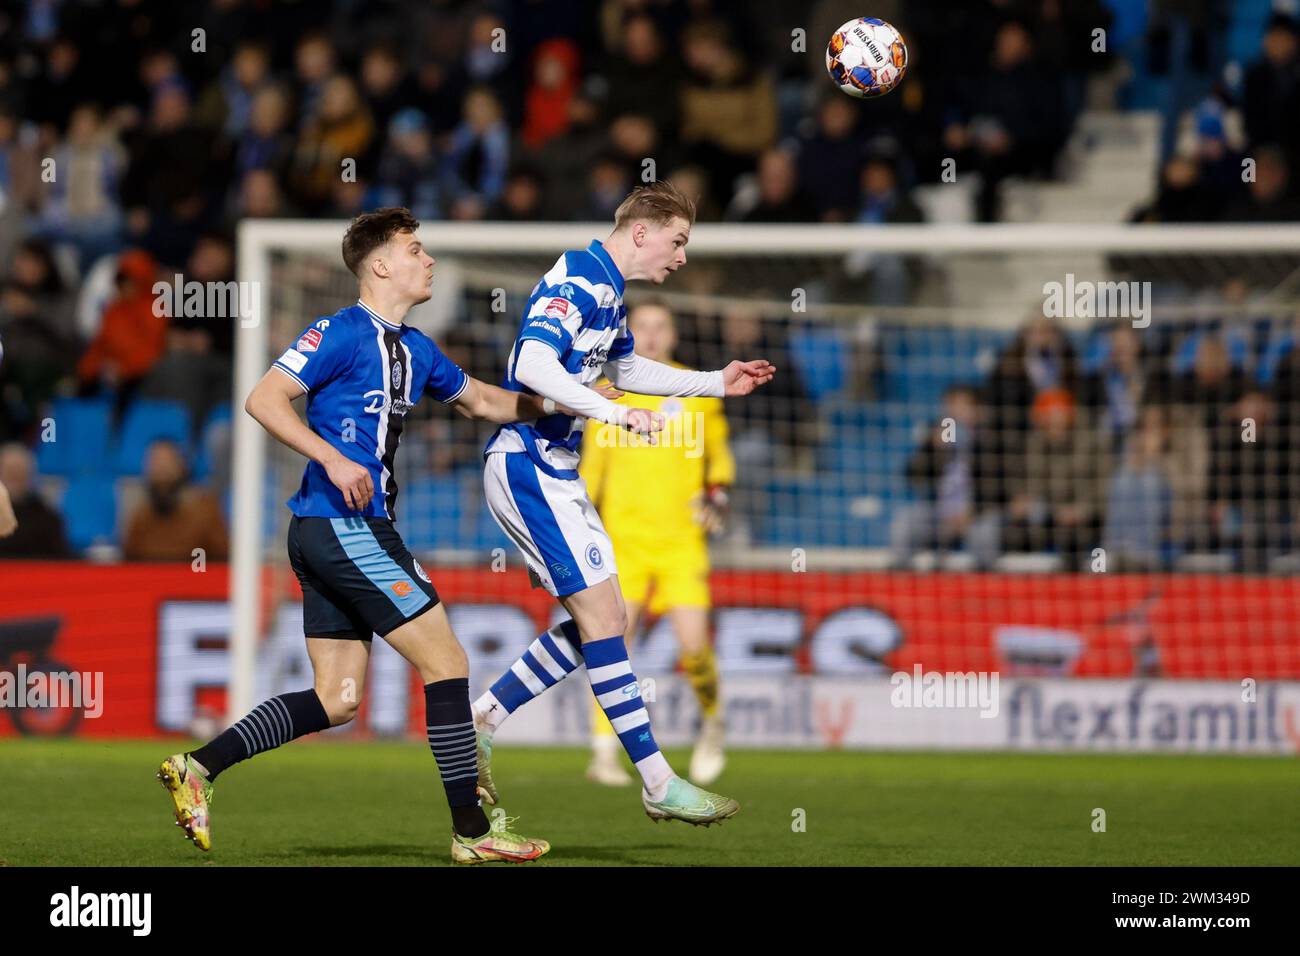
x=866, y=57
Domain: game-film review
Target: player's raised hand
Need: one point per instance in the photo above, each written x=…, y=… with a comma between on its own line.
x=741, y=378
x=351, y=479
x=643, y=422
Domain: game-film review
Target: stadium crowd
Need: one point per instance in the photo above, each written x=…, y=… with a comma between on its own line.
x=167, y=124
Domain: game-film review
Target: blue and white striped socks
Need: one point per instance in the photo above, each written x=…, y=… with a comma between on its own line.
x=552, y=657
x=619, y=695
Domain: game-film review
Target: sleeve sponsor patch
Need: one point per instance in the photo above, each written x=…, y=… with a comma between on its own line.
x=293, y=360
x=557, y=308
x=309, y=341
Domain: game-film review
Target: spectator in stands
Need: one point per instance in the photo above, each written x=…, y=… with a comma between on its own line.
x=313, y=68
x=1182, y=196
x=1059, y=490
x=830, y=159
x=1212, y=384
x=20, y=167
x=521, y=200
x=340, y=130
x=176, y=516
x=883, y=201
x=408, y=168
x=555, y=78
x=1252, y=474
x=259, y=197
x=132, y=336
x=1271, y=93
x=608, y=184
x=644, y=77
x=779, y=198
x=634, y=140
x=227, y=103
x=1011, y=118
x=1040, y=358
x=478, y=156
x=171, y=178
x=81, y=206
x=957, y=476
x=1140, y=499
x=265, y=143
x=729, y=111
x=1113, y=395
x=386, y=88
x=39, y=331
x=40, y=528
x=566, y=162
x=1269, y=198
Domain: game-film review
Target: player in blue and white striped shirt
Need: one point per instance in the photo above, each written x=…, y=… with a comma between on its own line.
x=362, y=370
x=574, y=330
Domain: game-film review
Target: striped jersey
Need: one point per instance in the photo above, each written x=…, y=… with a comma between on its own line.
x=577, y=309
x=362, y=374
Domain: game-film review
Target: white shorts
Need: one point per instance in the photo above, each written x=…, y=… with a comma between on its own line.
x=551, y=520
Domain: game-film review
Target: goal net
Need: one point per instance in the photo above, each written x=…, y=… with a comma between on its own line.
x=1032, y=451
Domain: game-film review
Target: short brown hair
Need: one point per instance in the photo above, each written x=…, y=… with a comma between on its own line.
x=371, y=230
x=660, y=202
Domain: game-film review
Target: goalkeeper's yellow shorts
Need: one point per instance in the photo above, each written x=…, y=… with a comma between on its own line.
x=659, y=578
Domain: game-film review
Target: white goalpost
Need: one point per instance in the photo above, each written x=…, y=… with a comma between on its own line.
x=958, y=277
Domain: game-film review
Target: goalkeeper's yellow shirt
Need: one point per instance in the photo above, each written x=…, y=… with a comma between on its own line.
x=647, y=494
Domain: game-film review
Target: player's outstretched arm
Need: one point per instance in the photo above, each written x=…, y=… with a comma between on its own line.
x=539, y=368
x=271, y=404
x=636, y=373
x=483, y=401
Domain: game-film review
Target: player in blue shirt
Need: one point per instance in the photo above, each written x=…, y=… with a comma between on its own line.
x=574, y=331
x=362, y=370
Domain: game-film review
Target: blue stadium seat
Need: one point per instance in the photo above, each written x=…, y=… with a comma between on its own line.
x=822, y=357
x=82, y=428
x=89, y=509
x=218, y=418
x=434, y=513
x=146, y=421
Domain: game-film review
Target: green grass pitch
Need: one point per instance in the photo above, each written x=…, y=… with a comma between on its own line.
x=333, y=803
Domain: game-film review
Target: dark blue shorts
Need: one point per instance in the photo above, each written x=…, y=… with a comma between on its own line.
x=357, y=577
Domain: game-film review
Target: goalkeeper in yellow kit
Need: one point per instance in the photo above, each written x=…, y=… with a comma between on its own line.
x=659, y=503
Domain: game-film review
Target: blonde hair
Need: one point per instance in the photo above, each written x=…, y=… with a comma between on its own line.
x=659, y=202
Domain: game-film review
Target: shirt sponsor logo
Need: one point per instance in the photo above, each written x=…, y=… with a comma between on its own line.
x=557, y=308
x=309, y=341
x=397, y=376
x=596, y=357
x=547, y=326
x=378, y=401
x=294, y=361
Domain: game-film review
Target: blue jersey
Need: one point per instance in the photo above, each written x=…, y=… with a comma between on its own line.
x=362, y=374
x=577, y=309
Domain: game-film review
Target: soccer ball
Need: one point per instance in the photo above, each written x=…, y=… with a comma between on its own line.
x=866, y=57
